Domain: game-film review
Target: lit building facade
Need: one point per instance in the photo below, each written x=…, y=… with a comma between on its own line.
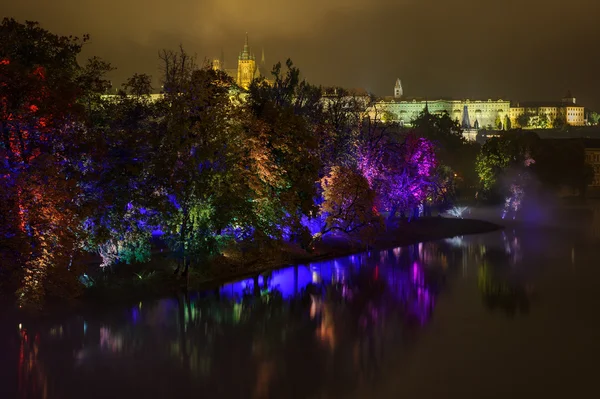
x=471, y=114
x=478, y=114
x=566, y=110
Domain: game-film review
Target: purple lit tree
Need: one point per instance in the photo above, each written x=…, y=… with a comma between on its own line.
x=402, y=174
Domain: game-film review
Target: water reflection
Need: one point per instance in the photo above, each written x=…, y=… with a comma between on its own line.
x=304, y=331
x=500, y=289
x=32, y=378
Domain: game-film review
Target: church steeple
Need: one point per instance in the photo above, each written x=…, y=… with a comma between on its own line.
x=247, y=68
x=262, y=58
x=245, y=54
x=398, y=89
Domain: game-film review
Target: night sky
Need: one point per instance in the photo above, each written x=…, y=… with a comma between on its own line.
x=512, y=49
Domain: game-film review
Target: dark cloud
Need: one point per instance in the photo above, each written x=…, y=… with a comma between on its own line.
x=527, y=49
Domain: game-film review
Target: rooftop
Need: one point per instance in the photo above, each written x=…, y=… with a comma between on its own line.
x=538, y=104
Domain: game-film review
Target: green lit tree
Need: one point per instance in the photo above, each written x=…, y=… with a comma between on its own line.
x=593, y=118
x=498, y=123
x=498, y=155
x=192, y=153
x=540, y=121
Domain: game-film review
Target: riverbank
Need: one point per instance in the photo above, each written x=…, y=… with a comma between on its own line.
x=157, y=278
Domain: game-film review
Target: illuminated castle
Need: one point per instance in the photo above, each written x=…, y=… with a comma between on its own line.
x=481, y=114
x=247, y=68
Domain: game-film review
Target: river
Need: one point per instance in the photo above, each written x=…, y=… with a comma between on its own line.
x=513, y=313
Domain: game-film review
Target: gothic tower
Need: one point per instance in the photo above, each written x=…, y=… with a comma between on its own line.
x=398, y=89
x=246, y=66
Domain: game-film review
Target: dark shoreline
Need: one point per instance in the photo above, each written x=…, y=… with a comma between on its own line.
x=404, y=234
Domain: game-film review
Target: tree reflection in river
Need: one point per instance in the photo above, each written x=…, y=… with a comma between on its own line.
x=322, y=329
x=331, y=320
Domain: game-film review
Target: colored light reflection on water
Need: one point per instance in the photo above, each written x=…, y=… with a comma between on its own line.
x=376, y=321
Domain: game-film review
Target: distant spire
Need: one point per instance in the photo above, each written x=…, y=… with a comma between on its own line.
x=398, y=92
x=426, y=110
x=262, y=58
x=245, y=55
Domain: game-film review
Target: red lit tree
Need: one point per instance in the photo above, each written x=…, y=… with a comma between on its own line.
x=42, y=93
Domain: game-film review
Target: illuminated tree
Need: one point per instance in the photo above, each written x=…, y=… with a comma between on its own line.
x=120, y=144
x=498, y=155
x=349, y=204
x=540, y=121
x=498, y=123
x=288, y=111
x=192, y=153
x=401, y=173
x=451, y=149
x=43, y=91
x=491, y=162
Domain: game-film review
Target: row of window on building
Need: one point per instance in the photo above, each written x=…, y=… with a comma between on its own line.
x=593, y=158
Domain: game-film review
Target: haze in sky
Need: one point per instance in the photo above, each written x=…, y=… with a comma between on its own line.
x=511, y=49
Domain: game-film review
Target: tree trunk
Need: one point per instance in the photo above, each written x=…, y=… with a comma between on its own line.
x=256, y=286
x=182, y=240
x=393, y=212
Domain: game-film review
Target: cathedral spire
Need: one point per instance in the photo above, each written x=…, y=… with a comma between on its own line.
x=262, y=58
x=245, y=55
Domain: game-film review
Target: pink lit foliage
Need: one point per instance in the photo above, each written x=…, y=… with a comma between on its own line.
x=402, y=174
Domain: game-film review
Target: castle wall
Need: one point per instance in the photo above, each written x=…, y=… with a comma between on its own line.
x=487, y=113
